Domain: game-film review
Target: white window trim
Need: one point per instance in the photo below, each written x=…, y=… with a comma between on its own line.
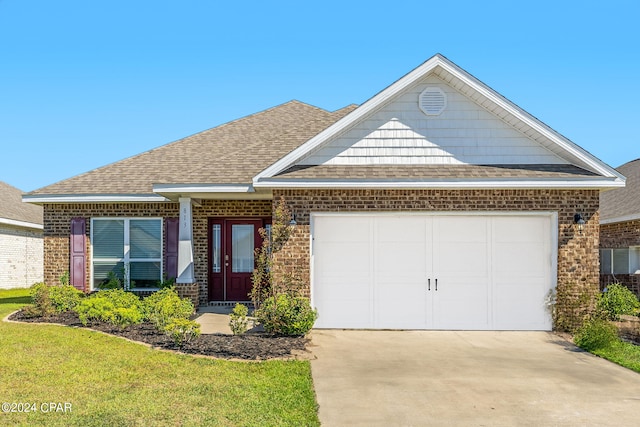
x=126, y=259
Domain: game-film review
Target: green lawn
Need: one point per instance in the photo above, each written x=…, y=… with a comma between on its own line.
x=622, y=353
x=111, y=382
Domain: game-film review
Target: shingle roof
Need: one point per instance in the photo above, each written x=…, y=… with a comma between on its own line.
x=232, y=153
x=623, y=202
x=418, y=172
x=12, y=207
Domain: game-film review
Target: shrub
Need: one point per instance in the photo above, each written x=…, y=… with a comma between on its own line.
x=238, y=321
x=64, y=297
x=114, y=306
x=42, y=305
x=286, y=315
x=113, y=281
x=165, y=305
x=182, y=330
x=617, y=300
x=595, y=334
x=49, y=299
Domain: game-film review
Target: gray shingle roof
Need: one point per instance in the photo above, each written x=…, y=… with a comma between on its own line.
x=12, y=207
x=232, y=153
x=625, y=201
x=417, y=172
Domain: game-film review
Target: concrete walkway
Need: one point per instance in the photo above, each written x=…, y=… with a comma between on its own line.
x=215, y=320
x=444, y=378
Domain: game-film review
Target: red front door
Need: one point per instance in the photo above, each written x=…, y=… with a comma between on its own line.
x=232, y=243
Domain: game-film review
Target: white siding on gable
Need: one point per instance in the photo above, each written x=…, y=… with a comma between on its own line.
x=464, y=133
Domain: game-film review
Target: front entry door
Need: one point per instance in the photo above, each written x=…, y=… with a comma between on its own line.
x=232, y=243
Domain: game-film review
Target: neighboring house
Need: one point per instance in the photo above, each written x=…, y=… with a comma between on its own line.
x=21, y=240
x=620, y=231
x=436, y=204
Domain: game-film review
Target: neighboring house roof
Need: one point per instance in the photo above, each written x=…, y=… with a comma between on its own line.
x=15, y=212
x=481, y=141
x=622, y=204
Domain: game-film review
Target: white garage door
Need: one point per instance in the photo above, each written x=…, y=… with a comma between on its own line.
x=484, y=272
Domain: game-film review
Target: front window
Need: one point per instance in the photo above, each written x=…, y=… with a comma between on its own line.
x=127, y=249
x=614, y=261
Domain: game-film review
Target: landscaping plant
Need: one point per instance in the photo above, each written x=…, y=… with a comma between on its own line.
x=596, y=334
x=50, y=299
x=182, y=330
x=280, y=305
x=286, y=315
x=617, y=300
x=114, y=306
x=238, y=321
x=162, y=307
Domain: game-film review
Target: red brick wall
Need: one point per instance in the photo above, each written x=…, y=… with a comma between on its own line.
x=57, y=219
x=578, y=257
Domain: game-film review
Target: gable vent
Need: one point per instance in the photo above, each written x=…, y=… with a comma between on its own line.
x=432, y=101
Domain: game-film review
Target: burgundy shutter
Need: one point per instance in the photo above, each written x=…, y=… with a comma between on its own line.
x=77, y=249
x=171, y=231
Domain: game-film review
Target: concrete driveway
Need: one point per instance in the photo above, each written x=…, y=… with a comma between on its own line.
x=444, y=378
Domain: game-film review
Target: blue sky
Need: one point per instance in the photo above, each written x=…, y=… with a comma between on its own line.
x=87, y=83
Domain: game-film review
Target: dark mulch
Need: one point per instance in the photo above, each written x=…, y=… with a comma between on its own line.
x=253, y=346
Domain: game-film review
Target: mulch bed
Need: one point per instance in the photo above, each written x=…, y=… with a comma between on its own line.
x=252, y=346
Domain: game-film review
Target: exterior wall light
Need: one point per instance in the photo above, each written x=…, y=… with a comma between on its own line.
x=293, y=222
x=579, y=222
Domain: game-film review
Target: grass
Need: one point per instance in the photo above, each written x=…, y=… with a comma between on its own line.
x=622, y=353
x=112, y=382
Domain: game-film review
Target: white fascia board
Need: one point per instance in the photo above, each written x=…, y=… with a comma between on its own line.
x=451, y=184
x=21, y=223
x=437, y=60
x=203, y=188
x=632, y=217
x=93, y=198
x=357, y=114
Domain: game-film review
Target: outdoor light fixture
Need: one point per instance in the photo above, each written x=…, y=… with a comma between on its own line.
x=578, y=220
x=293, y=222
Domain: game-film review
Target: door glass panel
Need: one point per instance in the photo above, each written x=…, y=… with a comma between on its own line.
x=242, y=244
x=215, y=250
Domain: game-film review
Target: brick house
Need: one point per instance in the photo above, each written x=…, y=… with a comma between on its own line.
x=21, y=240
x=436, y=204
x=620, y=231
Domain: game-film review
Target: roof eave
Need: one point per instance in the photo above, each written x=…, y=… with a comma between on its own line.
x=625, y=218
x=445, y=184
x=92, y=198
x=23, y=224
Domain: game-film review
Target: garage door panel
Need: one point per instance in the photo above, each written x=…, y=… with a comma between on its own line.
x=400, y=229
x=379, y=271
x=520, y=304
x=461, y=258
x=401, y=304
x=344, y=313
x=343, y=228
x=344, y=258
x=460, y=229
x=521, y=259
x=461, y=303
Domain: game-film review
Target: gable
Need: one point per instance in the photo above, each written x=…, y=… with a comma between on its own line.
x=472, y=126
x=400, y=133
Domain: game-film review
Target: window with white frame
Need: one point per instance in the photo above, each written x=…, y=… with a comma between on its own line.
x=129, y=248
x=614, y=261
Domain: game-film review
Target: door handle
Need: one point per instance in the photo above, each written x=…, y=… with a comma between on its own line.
x=436, y=284
x=428, y=284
